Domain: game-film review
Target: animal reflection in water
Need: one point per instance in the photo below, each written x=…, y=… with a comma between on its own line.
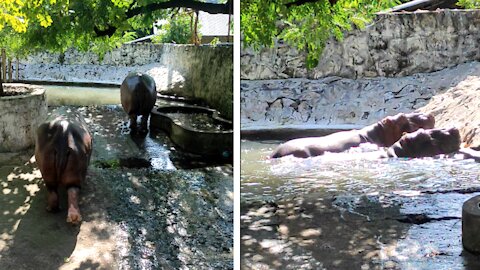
x=62, y=151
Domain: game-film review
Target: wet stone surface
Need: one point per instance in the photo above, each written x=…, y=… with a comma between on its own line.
x=199, y=121
x=355, y=232
x=172, y=218
x=142, y=208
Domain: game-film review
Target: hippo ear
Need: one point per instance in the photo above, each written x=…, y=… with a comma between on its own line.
x=387, y=121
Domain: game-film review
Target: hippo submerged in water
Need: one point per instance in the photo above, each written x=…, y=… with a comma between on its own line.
x=418, y=144
x=63, y=148
x=426, y=143
x=138, y=94
x=383, y=133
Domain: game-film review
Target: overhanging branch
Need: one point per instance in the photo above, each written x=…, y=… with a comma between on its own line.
x=207, y=7
x=226, y=8
x=301, y=2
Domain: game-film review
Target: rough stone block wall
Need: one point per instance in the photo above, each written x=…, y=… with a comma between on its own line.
x=21, y=114
x=394, y=45
x=204, y=72
x=336, y=102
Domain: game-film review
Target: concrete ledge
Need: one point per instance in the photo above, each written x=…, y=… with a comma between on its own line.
x=20, y=116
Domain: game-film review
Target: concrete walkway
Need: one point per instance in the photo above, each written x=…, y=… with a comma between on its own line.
x=142, y=207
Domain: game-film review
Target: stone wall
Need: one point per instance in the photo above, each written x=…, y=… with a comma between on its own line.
x=394, y=45
x=20, y=116
x=204, y=72
x=336, y=102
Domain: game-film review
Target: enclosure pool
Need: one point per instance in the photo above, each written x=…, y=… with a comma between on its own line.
x=336, y=174
x=338, y=212
x=58, y=95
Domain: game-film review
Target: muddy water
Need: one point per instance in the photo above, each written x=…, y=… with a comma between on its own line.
x=81, y=95
x=87, y=96
x=336, y=212
x=335, y=174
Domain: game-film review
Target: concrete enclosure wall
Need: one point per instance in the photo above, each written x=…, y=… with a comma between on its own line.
x=204, y=72
x=394, y=45
x=20, y=116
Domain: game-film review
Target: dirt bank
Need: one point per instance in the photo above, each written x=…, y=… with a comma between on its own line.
x=459, y=106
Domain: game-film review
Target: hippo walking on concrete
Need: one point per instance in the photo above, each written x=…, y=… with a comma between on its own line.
x=138, y=94
x=63, y=148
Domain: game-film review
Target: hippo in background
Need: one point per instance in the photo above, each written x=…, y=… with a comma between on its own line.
x=383, y=133
x=63, y=147
x=138, y=95
x=426, y=143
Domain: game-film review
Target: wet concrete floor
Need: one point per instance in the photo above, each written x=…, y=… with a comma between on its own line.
x=145, y=205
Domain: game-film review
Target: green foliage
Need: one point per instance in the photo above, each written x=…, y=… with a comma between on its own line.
x=305, y=27
x=176, y=30
x=215, y=41
x=469, y=4
x=27, y=26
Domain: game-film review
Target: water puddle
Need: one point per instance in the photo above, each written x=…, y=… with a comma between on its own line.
x=199, y=121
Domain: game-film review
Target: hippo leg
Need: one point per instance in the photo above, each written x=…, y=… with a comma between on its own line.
x=73, y=215
x=133, y=122
x=144, y=123
x=52, y=199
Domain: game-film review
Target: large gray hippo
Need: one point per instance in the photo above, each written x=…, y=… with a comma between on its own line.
x=63, y=148
x=383, y=133
x=138, y=94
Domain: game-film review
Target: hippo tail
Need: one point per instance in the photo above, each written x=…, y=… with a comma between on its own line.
x=143, y=100
x=62, y=152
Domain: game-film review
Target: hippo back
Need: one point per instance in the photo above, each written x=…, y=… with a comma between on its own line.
x=138, y=94
x=63, y=147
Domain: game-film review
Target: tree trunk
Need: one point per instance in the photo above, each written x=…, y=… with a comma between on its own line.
x=1, y=87
x=197, y=40
x=192, y=38
x=4, y=65
x=1, y=77
x=18, y=69
x=10, y=71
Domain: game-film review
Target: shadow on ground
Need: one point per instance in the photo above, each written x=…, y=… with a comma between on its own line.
x=355, y=232
x=140, y=210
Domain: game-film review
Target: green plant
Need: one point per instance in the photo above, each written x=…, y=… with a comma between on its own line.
x=305, y=24
x=215, y=41
x=176, y=30
x=469, y=4
x=28, y=26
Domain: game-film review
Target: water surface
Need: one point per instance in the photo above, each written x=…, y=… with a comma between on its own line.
x=58, y=95
x=341, y=174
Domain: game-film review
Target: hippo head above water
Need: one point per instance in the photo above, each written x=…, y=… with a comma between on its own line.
x=395, y=126
x=427, y=143
x=419, y=120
